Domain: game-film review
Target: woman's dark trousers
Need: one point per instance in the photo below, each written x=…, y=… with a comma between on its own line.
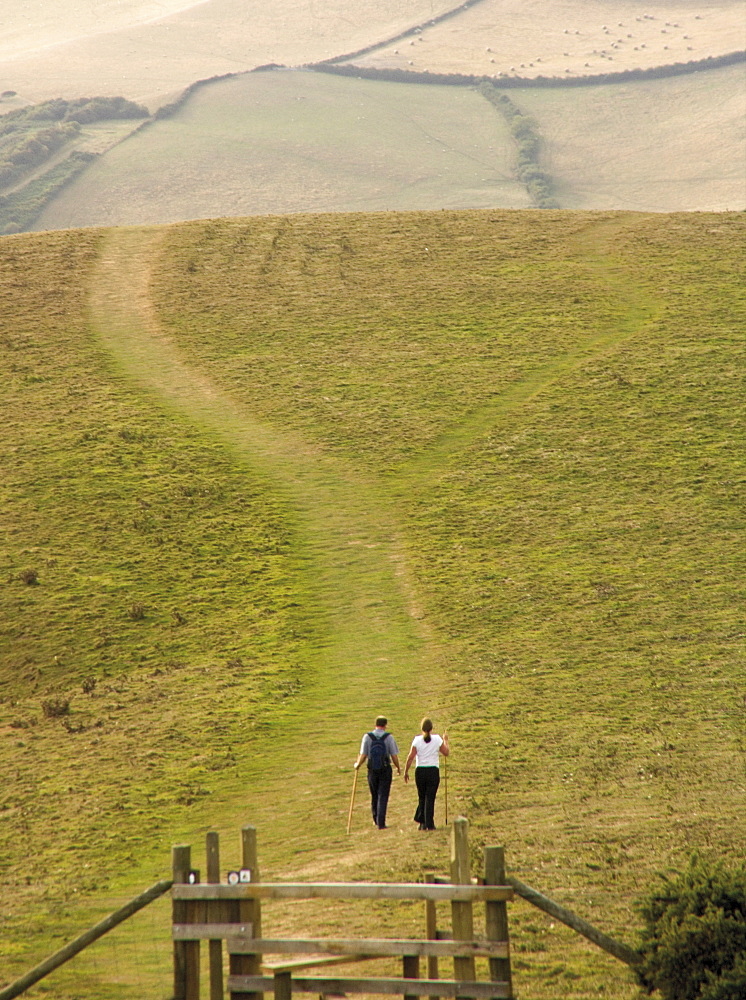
x=427, y=780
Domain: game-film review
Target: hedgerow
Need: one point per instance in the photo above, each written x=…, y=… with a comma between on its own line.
x=523, y=130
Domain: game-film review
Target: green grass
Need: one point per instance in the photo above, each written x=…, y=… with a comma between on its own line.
x=481, y=464
x=301, y=141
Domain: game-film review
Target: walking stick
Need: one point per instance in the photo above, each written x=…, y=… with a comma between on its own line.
x=445, y=784
x=352, y=801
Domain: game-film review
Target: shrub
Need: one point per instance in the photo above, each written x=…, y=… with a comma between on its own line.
x=53, y=708
x=694, y=939
x=29, y=576
x=136, y=611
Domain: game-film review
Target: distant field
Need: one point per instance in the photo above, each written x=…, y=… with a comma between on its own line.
x=654, y=145
x=292, y=142
x=569, y=37
x=145, y=51
x=281, y=473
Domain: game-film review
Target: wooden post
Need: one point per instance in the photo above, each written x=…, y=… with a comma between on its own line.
x=215, y=914
x=496, y=915
x=431, y=930
x=411, y=970
x=283, y=986
x=186, y=953
x=248, y=911
x=461, y=913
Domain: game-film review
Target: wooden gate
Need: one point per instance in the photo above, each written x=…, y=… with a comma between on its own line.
x=232, y=914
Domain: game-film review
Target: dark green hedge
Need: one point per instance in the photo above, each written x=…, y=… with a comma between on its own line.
x=694, y=938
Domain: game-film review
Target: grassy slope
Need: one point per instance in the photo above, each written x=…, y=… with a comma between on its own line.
x=289, y=142
x=609, y=152
x=530, y=417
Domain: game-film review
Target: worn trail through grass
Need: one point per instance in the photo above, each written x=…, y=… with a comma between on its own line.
x=374, y=645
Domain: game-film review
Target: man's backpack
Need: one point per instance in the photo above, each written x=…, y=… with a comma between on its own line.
x=378, y=755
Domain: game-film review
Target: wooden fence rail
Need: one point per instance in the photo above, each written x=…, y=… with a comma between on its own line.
x=409, y=987
x=59, y=958
x=346, y=890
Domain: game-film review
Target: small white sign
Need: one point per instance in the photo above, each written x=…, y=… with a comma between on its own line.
x=245, y=875
x=233, y=878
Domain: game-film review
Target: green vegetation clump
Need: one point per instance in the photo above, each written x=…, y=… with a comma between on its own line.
x=30, y=136
x=19, y=210
x=523, y=129
x=694, y=939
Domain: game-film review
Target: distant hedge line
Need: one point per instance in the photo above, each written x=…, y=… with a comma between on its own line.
x=19, y=210
x=22, y=151
x=83, y=110
x=170, y=109
x=523, y=129
x=416, y=30
x=468, y=80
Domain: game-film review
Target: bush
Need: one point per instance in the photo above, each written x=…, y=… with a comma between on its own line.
x=53, y=708
x=694, y=940
x=29, y=576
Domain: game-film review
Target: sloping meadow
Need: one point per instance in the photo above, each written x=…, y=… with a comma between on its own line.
x=549, y=405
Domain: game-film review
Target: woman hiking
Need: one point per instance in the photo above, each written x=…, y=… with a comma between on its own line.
x=426, y=749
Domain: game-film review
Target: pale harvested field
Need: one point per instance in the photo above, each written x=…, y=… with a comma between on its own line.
x=569, y=37
x=653, y=145
x=147, y=50
x=272, y=143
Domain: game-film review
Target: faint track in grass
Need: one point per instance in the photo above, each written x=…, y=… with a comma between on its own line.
x=349, y=533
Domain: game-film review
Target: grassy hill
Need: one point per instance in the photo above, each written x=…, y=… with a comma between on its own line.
x=265, y=477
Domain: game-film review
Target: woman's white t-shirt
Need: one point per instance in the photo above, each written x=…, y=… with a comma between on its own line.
x=428, y=754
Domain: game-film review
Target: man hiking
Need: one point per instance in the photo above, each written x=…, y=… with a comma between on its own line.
x=380, y=750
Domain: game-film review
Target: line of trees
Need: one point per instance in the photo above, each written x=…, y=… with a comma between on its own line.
x=524, y=131
x=468, y=80
x=19, y=210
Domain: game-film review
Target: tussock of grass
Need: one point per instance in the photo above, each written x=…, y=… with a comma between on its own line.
x=522, y=428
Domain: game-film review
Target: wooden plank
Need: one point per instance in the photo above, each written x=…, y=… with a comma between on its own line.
x=26, y=981
x=414, y=987
x=431, y=929
x=410, y=970
x=616, y=948
x=243, y=943
x=462, y=916
x=283, y=986
x=249, y=911
x=216, y=911
x=496, y=915
x=346, y=890
x=312, y=963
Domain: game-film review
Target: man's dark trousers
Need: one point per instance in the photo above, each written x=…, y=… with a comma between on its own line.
x=379, y=783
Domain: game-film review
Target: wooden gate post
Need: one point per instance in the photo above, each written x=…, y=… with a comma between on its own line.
x=186, y=953
x=215, y=914
x=496, y=915
x=249, y=911
x=461, y=913
x=431, y=930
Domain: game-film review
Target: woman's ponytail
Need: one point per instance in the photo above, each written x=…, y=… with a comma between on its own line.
x=427, y=727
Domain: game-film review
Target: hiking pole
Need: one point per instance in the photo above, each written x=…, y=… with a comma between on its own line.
x=445, y=784
x=352, y=801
